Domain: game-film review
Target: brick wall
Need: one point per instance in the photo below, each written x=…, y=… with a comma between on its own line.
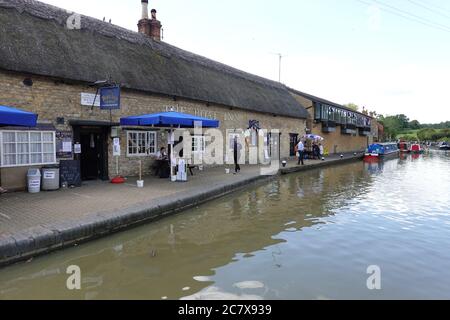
x=52, y=99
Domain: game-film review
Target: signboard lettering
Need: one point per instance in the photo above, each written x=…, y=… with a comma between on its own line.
x=110, y=98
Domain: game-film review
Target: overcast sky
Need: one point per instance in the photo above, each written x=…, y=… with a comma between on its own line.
x=391, y=56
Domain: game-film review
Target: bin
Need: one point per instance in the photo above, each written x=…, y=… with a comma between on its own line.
x=50, y=178
x=34, y=180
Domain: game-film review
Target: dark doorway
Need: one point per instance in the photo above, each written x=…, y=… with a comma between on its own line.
x=293, y=142
x=94, y=156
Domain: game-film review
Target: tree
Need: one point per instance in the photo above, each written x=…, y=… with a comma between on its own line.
x=403, y=121
x=352, y=106
x=426, y=134
x=392, y=127
x=415, y=125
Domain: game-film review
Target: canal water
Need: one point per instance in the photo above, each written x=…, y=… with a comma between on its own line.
x=311, y=235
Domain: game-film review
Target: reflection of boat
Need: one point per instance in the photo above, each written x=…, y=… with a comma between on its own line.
x=416, y=148
x=381, y=151
x=404, y=147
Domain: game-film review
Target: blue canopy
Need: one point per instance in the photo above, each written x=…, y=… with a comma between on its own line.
x=15, y=117
x=168, y=119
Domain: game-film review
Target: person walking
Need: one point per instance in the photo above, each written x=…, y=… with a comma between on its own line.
x=301, y=152
x=236, y=153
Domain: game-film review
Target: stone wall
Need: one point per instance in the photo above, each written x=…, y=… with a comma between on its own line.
x=52, y=99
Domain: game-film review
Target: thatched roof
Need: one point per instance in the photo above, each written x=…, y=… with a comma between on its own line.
x=35, y=39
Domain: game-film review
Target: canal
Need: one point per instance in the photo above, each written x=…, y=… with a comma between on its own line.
x=310, y=235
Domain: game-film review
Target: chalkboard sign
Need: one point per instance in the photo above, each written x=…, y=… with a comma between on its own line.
x=70, y=173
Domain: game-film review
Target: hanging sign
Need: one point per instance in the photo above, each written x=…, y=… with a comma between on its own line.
x=110, y=98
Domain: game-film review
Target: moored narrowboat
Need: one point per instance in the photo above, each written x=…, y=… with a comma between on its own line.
x=378, y=151
x=444, y=146
x=416, y=148
x=404, y=147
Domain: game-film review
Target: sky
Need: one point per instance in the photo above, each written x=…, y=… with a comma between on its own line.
x=390, y=56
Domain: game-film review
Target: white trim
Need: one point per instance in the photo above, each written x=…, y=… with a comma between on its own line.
x=42, y=153
x=147, y=146
x=203, y=148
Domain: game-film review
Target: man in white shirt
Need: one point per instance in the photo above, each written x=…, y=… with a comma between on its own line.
x=301, y=152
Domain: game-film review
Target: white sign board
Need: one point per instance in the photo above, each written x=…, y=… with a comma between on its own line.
x=49, y=175
x=116, y=147
x=67, y=146
x=87, y=99
x=77, y=148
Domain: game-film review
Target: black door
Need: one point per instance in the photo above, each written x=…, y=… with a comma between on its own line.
x=293, y=143
x=93, y=157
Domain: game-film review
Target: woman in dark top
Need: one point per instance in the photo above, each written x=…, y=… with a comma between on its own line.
x=236, y=150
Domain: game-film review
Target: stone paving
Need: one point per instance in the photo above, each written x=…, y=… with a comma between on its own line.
x=22, y=215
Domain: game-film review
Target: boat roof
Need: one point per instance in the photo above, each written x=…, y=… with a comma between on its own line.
x=384, y=144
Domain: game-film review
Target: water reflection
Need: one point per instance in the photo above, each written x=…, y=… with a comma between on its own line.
x=309, y=235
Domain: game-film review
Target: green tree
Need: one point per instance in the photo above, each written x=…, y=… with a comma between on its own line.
x=415, y=125
x=403, y=121
x=392, y=126
x=426, y=134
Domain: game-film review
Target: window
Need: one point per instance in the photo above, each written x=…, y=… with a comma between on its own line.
x=317, y=111
x=23, y=148
x=141, y=143
x=198, y=144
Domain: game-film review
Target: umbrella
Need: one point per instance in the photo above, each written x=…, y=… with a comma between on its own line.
x=169, y=119
x=314, y=137
x=15, y=117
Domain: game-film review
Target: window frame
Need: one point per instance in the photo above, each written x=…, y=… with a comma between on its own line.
x=147, y=146
x=29, y=153
x=203, y=144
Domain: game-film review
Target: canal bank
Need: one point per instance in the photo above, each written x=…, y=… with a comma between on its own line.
x=32, y=225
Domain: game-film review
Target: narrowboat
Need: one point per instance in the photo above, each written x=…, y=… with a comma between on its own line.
x=416, y=148
x=404, y=147
x=445, y=146
x=382, y=151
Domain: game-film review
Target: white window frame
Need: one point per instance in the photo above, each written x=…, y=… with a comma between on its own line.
x=202, y=144
x=29, y=164
x=147, y=143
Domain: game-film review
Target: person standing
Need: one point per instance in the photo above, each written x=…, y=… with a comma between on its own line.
x=301, y=152
x=321, y=150
x=236, y=153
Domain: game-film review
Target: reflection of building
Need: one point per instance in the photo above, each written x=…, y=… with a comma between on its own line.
x=344, y=130
x=47, y=67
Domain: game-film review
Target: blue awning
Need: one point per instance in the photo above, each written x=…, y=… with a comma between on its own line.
x=169, y=119
x=15, y=117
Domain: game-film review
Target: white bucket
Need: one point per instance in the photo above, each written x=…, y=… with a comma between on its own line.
x=227, y=171
x=174, y=178
x=140, y=183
